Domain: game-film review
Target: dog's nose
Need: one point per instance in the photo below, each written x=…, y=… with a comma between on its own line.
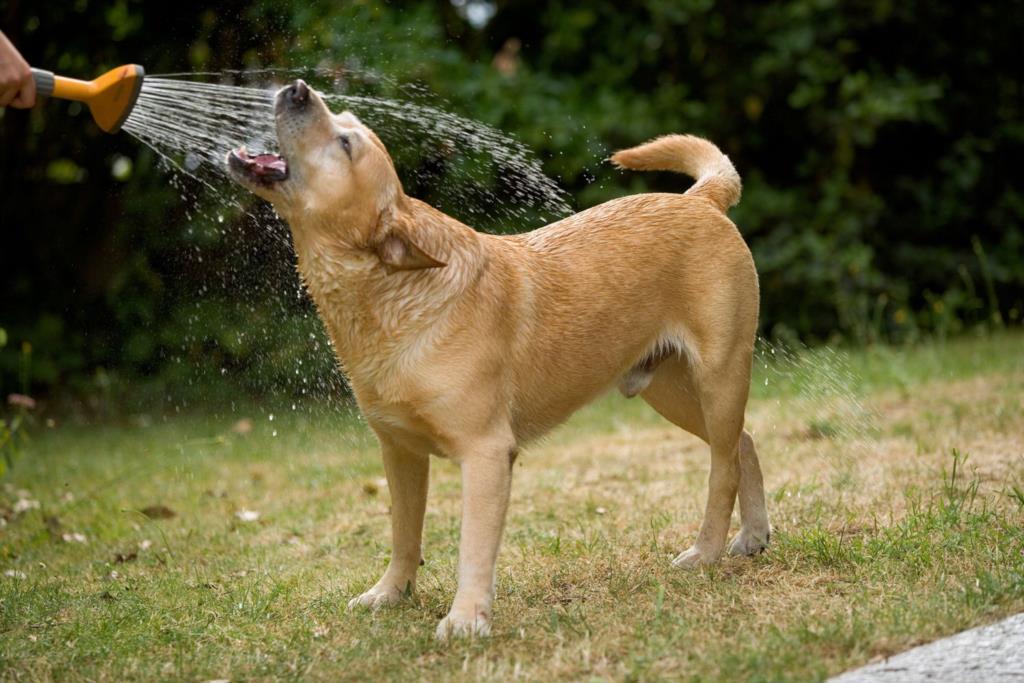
x=297, y=93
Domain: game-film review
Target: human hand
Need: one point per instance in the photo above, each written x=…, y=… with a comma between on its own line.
x=17, y=87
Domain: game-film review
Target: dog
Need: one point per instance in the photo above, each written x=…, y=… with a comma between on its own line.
x=467, y=345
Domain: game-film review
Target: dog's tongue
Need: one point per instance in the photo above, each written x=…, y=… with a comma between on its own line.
x=265, y=166
x=270, y=162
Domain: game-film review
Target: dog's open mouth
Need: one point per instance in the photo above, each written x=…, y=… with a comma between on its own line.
x=263, y=168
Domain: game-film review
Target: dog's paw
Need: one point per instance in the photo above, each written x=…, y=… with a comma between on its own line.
x=748, y=542
x=457, y=625
x=693, y=558
x=377, y=597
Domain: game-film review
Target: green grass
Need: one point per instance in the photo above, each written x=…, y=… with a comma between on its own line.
x=895, y=481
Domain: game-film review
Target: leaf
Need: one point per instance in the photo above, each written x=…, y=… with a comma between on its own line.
x=53, y=525
x=159, y=512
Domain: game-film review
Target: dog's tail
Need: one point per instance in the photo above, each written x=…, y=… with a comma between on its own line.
x=717, y=179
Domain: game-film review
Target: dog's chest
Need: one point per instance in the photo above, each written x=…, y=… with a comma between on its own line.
x=402, y=423
x=379, y=324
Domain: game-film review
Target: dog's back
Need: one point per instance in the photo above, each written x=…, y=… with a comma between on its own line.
x=623, y=285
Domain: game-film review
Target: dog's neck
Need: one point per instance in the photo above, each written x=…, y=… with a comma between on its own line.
x=376, y=318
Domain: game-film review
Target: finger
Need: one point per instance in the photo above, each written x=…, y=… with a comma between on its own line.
x=20, y=101
x=7, y=95
x=8, y=81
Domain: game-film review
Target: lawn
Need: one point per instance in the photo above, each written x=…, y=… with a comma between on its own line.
x=896, y=488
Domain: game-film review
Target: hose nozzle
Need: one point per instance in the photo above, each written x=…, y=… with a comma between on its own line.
x=110, y=97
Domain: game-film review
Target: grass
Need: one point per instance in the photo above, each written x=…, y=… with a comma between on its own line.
x=895, y=481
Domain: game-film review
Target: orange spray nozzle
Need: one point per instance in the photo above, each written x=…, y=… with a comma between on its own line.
x=110, y=97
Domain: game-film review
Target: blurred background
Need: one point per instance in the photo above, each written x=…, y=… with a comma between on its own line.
x=880, y=144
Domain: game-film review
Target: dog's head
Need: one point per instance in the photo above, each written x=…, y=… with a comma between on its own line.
x=333, y=175
x=329, y=163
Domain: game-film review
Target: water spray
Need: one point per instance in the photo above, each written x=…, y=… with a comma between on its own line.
x=110, y=97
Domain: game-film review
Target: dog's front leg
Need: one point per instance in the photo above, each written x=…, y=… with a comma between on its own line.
x=486, y=482
x=407, y=475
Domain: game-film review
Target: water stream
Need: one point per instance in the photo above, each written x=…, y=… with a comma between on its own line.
x=488, y=175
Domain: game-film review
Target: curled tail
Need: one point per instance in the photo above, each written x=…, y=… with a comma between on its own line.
x=717, y=179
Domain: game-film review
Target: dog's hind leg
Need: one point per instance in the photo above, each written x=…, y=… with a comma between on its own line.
x=673, y=394
x=722, y=390
x=755, y=531
x=714, y=411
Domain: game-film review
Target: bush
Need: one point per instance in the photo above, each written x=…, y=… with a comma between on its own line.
x=878, y=143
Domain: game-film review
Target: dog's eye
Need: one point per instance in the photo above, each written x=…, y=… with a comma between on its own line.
x=346, y=145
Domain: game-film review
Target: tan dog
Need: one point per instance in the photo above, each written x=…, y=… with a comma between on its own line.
x=468, y=345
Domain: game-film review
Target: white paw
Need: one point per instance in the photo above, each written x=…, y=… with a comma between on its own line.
x=377, y=597
x=471, y=625
x=693, y=558
x=749, y=542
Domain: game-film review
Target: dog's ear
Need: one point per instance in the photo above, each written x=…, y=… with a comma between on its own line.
x=397, y=251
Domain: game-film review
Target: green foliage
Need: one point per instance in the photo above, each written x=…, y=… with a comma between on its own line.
x=878, y=167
